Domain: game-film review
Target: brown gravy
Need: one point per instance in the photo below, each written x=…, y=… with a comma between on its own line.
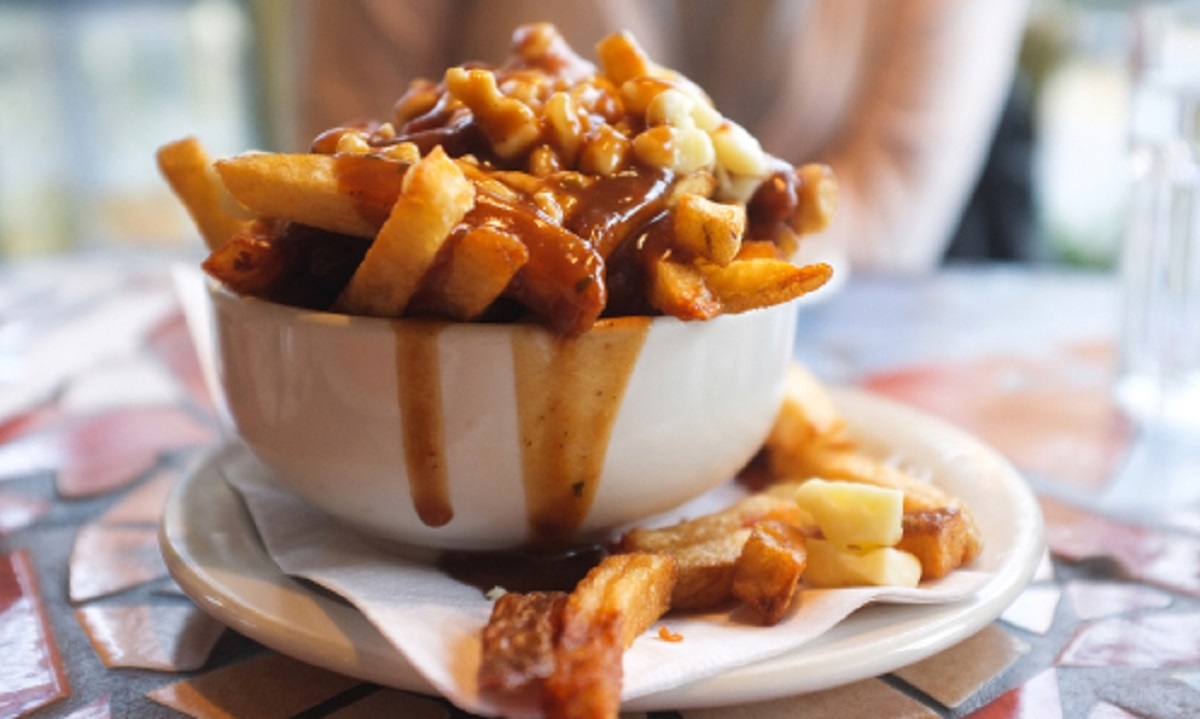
x=371, y=182
x=522, y=570
x=418, y=383
x=569, y=390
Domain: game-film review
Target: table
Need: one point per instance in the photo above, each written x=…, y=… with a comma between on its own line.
x=102, y=407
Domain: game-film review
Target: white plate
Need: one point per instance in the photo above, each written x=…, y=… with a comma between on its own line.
x=213, y=551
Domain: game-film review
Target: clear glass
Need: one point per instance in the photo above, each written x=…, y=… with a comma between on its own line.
x=1159, y=377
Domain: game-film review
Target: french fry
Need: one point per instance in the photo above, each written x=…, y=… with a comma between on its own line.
x=942, y=539
x=706, y=571
x=706, y=548
x=189, y=172
x=616, y=602
x=434, y=198
x=563, y=281
x=816, y=197
x=248, y=264
x=808, y=415
x=480, y=264
x=678, y=289
x=743, y=514
x=708, y=229
x=586, y=683
x=518, y=641
x=753, y=284
x=768, y=569
x=635, y=585
x=348, y=194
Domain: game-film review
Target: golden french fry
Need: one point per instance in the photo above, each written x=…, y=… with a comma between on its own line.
x=586, y=682
x=679, y=290
x=484, y=261
x=769, y=568
x=478, y=266
x=816, y=198
x=247, y=264
x=189, y=172
x=349, y=194
x=616, y=602
x=706, y=571
x=563, y=281
x=434, y=199
x=752, y=284
x=807, y=416
x=708, y=229
x=636, y=585
x=706, y=548
x=518, y=641
x=741, y=515
x=941, y=539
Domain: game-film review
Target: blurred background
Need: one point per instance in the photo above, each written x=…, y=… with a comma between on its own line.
x=90, y=88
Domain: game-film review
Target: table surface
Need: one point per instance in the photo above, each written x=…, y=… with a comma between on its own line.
x=102, y=408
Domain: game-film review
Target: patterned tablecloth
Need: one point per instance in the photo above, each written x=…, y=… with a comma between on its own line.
x=102, y=407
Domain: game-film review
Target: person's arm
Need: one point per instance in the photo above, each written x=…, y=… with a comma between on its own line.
x=920, y=128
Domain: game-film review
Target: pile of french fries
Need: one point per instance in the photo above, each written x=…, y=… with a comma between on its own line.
x=545, y=188
x=828, y=515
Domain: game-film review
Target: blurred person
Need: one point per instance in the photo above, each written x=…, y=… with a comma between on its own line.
x=900, y=97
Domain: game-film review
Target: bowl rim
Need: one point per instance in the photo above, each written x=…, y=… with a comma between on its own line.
x=224, y=295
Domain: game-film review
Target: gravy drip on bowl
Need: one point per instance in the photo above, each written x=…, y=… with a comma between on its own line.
x=568, y=389
x=568, y=393
x=418, y=381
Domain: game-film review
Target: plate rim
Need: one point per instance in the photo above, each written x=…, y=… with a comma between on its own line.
x=297, y=619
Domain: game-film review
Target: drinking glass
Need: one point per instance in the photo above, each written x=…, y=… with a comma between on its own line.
x=1159, y=373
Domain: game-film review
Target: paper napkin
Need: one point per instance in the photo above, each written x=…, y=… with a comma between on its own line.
x=435, y=621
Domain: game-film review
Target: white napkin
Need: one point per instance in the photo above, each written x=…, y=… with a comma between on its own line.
x=435, y=621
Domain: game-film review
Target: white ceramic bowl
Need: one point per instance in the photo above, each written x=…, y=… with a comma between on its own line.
x=504, y=424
